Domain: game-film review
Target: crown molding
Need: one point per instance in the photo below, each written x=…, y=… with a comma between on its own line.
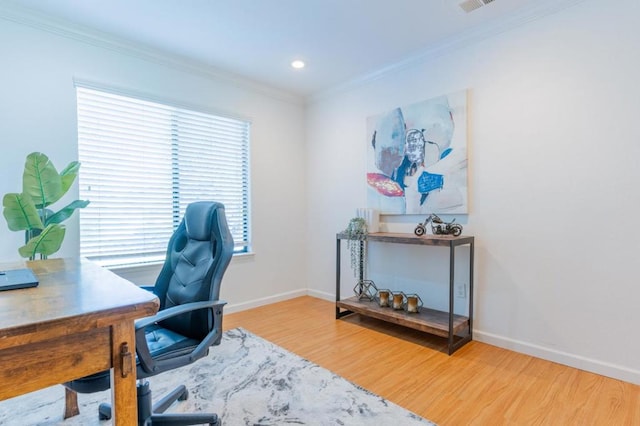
x=31, y=18
x=467, y=38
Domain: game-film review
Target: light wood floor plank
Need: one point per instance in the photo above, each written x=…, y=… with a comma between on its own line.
x=478, y=385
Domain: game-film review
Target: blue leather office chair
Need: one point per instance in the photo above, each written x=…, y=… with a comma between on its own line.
x=190, y=317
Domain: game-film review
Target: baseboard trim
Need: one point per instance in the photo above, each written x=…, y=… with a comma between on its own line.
x=229, y=309
x=331, y=297
x=572, y=360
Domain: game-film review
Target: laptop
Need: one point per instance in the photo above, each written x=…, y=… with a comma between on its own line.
x=17, y=278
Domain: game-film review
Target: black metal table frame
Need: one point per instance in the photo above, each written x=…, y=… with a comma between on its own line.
x=453, y=242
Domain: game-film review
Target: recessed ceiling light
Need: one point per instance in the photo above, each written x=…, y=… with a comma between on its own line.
x=297, y=64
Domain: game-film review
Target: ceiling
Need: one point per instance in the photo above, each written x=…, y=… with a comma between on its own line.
x=340, y=40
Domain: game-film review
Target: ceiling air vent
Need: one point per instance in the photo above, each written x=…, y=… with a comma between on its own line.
x=471, y=5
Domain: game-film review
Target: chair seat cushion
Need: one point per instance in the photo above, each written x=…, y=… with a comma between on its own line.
x=163, y=344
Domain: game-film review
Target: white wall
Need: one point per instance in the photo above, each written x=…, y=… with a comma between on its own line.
x=554, y=170
x=553, y=156
x=38, y=113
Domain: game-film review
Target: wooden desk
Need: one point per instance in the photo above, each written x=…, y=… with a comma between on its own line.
x=78, y=321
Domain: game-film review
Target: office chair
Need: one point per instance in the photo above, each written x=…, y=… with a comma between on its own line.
x=189, y=320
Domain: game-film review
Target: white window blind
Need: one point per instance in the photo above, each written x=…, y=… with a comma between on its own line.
x=143, y=163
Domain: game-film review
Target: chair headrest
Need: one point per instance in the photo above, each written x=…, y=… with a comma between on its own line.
x=197, y=219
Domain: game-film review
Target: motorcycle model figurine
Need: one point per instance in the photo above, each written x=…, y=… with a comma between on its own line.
x=438, y=227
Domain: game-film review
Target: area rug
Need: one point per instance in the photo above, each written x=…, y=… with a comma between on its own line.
x=246, y=380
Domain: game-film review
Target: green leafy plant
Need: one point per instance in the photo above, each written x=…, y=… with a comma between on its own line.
x=28, y=211
x=356, y=234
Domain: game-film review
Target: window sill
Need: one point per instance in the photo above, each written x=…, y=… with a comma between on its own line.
x=138, y=267
x=148, y=266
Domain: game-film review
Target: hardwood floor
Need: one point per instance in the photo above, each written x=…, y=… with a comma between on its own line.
x=478, y=385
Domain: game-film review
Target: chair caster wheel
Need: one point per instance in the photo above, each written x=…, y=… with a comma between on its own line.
x=104, y=412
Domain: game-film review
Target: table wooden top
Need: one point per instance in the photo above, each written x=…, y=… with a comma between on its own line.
x=405, y=238
x=70, y=289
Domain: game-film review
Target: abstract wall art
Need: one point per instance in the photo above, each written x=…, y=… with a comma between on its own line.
x=417, y=157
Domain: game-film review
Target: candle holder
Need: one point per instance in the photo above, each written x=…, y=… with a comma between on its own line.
x=365, y=289
x=397, y=300
x=384, y=298
x=413, y=303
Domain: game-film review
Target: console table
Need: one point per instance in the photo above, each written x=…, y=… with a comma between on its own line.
x=456, y=328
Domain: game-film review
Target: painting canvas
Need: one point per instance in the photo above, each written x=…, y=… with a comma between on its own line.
x=417, y=157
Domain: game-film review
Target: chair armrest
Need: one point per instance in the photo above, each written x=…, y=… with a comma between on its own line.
x=149, y=288
x=177, y=310
x=147, y=362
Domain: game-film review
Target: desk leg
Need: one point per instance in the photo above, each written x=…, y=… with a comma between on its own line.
x=70, y=404
x=123, y=375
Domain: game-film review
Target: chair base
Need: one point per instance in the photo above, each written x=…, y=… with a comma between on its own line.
x=154, y=415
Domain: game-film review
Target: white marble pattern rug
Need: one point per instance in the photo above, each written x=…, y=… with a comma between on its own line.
x=246, y=380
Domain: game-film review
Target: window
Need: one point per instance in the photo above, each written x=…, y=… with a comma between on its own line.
x=143, y=162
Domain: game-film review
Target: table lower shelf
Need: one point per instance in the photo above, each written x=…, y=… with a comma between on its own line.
x=428, y=320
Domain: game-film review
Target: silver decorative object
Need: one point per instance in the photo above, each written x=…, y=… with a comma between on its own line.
x=365, y=289
x=438, y=227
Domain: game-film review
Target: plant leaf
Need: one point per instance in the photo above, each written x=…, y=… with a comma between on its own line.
x=44, y=215
x=41, y=180
x=47, y=243
x=66, y=212
x=20, y=212
x=68, y=175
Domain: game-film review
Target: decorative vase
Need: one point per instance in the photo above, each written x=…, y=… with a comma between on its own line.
x=397, y=301
x=413, y=304
x=383, y=297
x=371, y=217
